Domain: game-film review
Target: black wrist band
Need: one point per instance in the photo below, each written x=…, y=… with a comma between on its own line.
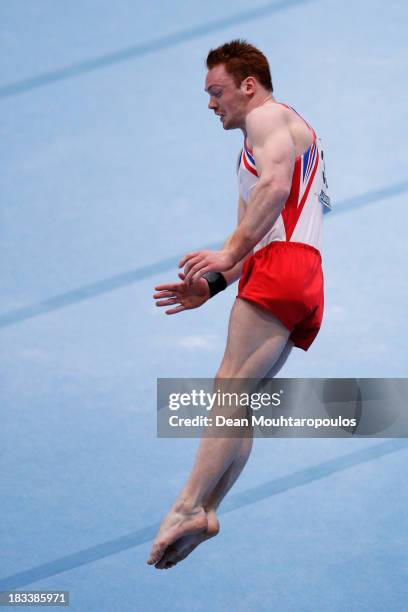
x=216, y=282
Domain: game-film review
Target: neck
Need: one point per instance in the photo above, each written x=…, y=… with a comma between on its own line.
x=256, y=102
x=269, y=98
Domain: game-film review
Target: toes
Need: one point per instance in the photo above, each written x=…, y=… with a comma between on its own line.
x=168, y=560
x=165, y=560
x=156, y=554
x=160, y=564
x=170, y=564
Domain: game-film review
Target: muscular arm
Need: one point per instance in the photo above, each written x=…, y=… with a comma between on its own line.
x=274, y=154
x=232, y=275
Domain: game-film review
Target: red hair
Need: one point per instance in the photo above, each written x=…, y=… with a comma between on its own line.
x=241, y=60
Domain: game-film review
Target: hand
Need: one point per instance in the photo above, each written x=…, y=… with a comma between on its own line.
x=198, y=263
x=186, y=295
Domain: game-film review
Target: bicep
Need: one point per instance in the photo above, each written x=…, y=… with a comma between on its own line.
x=274, y=152
x=275, y=160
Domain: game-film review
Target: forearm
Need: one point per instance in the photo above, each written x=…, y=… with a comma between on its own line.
x=234, y=273
x=264, y=208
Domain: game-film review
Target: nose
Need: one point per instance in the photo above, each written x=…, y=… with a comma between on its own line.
x=212, y=103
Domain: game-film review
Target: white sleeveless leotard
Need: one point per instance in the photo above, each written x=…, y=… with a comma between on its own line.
x=301, y=218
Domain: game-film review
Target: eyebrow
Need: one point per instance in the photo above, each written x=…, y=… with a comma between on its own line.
x=212, y=87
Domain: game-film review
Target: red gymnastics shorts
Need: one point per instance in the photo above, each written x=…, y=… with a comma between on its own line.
x=286, y=278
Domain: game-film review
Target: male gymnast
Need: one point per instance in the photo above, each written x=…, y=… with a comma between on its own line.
x=275, y=254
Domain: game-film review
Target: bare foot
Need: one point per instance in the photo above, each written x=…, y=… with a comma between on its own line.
x=182, y=520
x=182, y=547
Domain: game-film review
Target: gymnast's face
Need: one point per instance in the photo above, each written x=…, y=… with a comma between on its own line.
x=227, y=100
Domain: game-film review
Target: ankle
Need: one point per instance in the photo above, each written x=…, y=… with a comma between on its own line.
x=186, y=505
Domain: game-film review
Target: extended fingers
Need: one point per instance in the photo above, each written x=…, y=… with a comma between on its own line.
x=168, y=287
x=175, y=310
x=192, y=274
x=164, y=294
x=192, y=262
x=187, y=257
x=168, y=302
x=199, y=274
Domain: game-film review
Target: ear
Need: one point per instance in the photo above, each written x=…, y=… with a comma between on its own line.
x=249, y=85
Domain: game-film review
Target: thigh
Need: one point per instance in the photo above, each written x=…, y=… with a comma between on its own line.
x=256, y=341
x=278, y=365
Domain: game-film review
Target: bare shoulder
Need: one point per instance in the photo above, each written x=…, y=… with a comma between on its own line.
x=264, y=121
